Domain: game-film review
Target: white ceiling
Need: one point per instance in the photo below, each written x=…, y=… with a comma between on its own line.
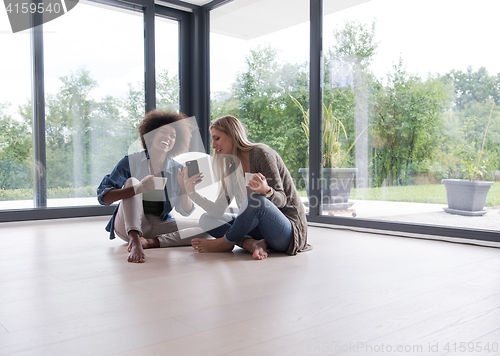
x=247, y=19
x=197, y=2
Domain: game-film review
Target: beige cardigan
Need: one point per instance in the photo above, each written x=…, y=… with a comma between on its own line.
x=266, y=161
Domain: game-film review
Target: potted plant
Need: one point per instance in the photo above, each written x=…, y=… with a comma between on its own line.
x=336, y=182
x=468, y=196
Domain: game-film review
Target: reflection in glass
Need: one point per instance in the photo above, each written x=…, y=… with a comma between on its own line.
x=16, y=162
x=167, y=64
x=258, y=75
x=414, y=105
x=94, y=97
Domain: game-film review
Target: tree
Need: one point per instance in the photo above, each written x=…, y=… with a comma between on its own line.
x=354, y=44
x=257, y=91
x=473, y=86
x=408, y=125
x=167, y=91
x=263, y=92
x=473, y=94
x=85, y=137
x=350, y=88
x=15, y=152
x=167, y=98
x=68, y=131
x=110, y=136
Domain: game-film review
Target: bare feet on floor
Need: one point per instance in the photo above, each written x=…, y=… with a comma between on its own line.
x=147, y=243
x=256, y=247
x=217, y=245
x=136, y=253
x=135, y=248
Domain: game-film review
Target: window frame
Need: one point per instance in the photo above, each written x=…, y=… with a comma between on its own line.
x=194, y=100
x=192, y=44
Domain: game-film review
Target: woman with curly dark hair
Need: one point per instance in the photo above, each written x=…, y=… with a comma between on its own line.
x=143, y=217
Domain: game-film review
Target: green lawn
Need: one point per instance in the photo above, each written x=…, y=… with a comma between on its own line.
x=52, y=193
x=432, y=193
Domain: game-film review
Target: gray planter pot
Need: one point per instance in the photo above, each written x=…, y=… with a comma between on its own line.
x=466, y=197
x=335, y=187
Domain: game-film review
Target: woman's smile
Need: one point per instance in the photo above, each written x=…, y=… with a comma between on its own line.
x=164, y=138
x=221, y=142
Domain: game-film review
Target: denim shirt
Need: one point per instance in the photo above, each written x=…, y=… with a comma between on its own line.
x=137, y=165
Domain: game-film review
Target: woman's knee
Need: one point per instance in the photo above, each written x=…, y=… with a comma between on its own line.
x=131, y=182
x=207, y=222
x=255, y=201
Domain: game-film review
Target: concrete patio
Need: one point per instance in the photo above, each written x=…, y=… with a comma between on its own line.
x=416, y=213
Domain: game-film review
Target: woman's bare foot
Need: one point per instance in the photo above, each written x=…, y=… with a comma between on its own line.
x=147, y=243
x=217, y=245
x=135, y=248
x=136, y=252
x=256, y=247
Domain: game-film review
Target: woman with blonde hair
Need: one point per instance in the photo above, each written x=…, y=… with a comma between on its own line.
x=271, y=215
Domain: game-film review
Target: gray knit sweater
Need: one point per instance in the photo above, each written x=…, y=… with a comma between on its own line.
x=266, y=161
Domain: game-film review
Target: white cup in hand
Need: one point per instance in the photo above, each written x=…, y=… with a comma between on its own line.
x=159, y=183
x=248, y=177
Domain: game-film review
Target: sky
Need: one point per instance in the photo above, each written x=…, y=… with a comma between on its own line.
x=432, y=36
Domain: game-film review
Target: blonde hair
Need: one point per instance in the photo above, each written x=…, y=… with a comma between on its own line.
x=235, y=129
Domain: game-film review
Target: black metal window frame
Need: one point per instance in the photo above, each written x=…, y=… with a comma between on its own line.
x=315, y=124
x=194, y=92
x=194, y=78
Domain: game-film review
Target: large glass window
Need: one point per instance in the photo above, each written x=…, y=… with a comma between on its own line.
x=167, y=63
x=260, y=74
x=410, y=98
x=16, y=174
x=94, y=75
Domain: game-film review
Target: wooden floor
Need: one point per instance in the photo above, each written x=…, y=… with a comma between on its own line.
x=65, y=289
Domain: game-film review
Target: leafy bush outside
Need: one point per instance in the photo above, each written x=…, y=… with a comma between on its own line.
x=418, y=129
x=52, y=193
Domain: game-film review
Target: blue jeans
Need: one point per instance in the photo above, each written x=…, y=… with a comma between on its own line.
x=258, y=218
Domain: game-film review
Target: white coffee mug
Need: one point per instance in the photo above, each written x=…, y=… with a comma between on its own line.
x=159, y=182
x=248, y=177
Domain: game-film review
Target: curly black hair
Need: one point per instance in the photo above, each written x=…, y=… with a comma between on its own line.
x=157, y=118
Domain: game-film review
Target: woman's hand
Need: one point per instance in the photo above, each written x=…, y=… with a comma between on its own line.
x=186, y=183
x=180, y=178
x=258, y=184
x=145, y=185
